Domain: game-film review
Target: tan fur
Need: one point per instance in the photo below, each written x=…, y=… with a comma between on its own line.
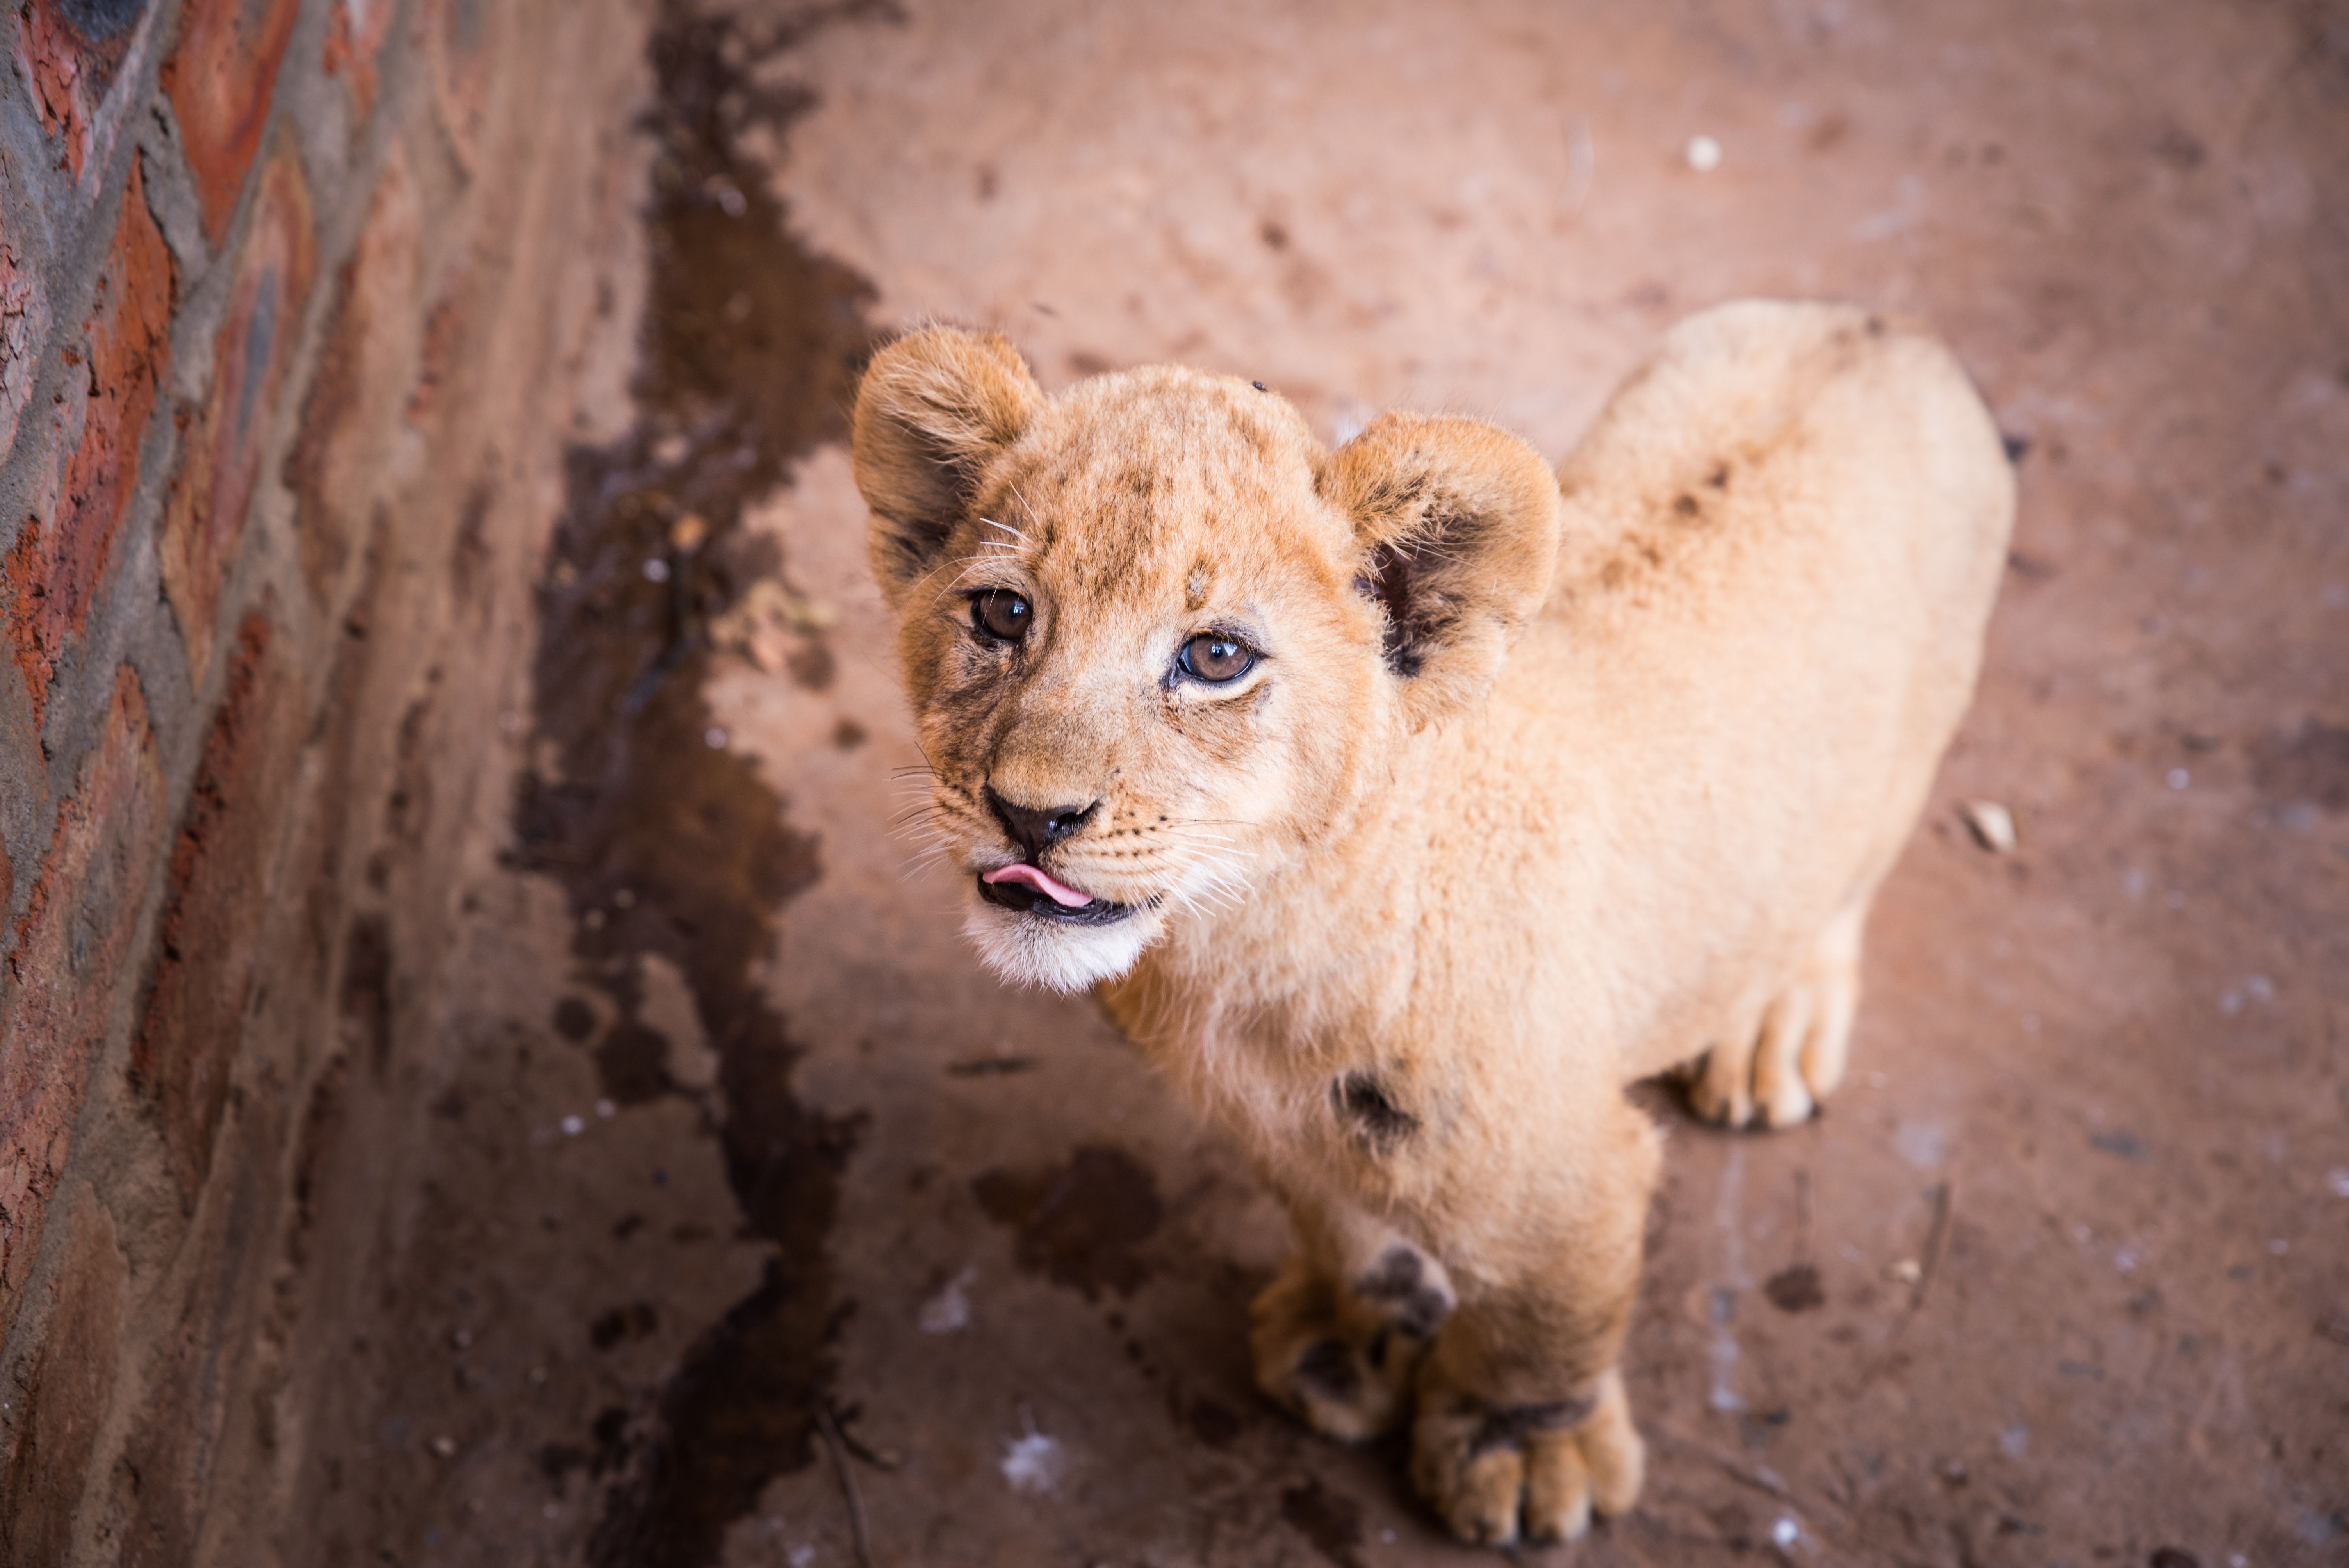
x=1523, y=803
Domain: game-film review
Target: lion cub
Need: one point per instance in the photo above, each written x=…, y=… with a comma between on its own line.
x=1406, y=815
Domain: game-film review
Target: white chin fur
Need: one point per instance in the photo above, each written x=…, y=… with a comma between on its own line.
x=1028, y=951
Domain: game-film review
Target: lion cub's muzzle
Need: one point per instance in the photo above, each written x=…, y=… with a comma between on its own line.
x=1025, y=886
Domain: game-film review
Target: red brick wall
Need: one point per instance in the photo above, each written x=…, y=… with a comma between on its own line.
x=290, y=294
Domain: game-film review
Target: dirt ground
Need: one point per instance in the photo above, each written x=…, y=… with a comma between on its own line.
x=746, y=1194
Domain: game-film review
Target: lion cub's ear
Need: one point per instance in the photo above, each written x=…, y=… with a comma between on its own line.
x=1458, y=523
x=933, y=408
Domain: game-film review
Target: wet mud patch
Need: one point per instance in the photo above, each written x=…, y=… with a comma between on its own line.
x=665, y=842
x=1078, y=1224
x=1332, y=1521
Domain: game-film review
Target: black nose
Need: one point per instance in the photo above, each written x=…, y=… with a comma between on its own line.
x=1035, y=830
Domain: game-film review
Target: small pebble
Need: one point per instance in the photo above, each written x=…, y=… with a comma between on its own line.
x=1703, y=154
x=572, y=1127
x=1786, y=1532
x=462, y=1339
x=2180, y=779
x=445, y=1446
x=1993, y=825
x=1908, y=1271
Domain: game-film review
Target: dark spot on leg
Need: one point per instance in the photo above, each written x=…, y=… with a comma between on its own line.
x=1719, y=478
x=1328, y=1366
x=1362, y=1101
x=1685, y=504
x=1396, y=1274
x=1274, y=236
x=2017, y=447
x=1420, y=1303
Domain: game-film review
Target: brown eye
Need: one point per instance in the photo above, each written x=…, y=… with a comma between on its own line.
x=1000, y=615
x=1216, y=658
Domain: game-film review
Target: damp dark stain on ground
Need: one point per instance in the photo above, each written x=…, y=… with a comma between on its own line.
x=1078, y=1224
x=664, y=842
x=1332, y=1521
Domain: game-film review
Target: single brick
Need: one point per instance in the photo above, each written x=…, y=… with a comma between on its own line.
x=58, y=1409
x=57, y=986
x=71, y=51
x=216, y=902
x=58, y=560
x=23, y=328
x=355, y=31
x=365, y=367
x=220, y=79
x=220, y=458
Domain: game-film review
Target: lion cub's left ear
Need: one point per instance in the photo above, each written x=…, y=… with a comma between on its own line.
x=1458, y=523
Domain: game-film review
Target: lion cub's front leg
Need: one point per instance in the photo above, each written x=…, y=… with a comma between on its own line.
x=1339, y=1333
x=1523, y=1423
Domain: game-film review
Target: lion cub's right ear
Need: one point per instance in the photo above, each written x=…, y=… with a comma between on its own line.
x=934, y=408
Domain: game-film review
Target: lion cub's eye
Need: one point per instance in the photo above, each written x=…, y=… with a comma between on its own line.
x=1000, y=615
x=1210, y=656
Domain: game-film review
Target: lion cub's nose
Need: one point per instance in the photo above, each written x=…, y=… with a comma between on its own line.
x=1036, y=829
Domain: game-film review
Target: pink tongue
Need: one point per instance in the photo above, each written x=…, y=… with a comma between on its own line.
x=1031, y=876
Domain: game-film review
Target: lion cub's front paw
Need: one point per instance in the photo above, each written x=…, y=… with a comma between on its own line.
x=1553, y=1465
x=1342, y=1357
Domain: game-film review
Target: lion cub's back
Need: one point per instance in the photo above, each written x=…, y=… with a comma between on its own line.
x=1782, y=540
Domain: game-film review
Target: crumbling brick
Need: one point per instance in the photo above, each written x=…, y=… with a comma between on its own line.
x=23, y=328
x=220, y=80
x=54, y=571
x=220, y=459
x=216, y=899
x=58, y=984
x=71, y=54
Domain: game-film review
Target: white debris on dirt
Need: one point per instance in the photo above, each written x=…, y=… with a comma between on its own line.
x=2256, y=988
x=1993, y=825
x=1786, y=1532
x=1033, y=1463
x=1908, y=1271
x=948, y=1312
x=2178, y=778
x=573, y=1126
x=655, y=569
x=1703, y=154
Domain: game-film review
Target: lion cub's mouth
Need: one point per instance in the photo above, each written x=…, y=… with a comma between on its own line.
x=1031, y=890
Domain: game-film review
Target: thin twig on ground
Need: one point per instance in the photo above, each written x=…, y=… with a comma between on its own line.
x=838, y=1446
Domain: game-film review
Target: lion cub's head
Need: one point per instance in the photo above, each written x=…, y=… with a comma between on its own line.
x=1161, y=643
